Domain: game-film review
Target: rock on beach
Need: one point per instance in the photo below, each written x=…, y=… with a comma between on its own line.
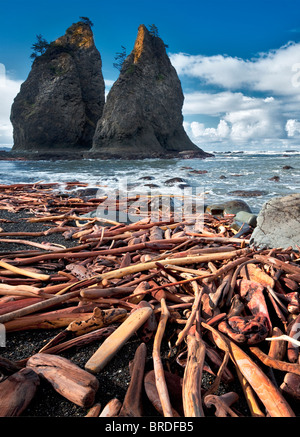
x=278, y=223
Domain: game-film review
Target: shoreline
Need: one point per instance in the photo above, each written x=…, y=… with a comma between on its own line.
x=86, y=154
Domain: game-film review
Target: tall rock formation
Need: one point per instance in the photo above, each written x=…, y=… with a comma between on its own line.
x=142, y=116
x=58, y=106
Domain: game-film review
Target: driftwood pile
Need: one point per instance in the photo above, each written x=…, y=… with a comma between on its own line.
x=233, y=311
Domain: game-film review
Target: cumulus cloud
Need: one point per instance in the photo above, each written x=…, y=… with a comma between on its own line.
x=9, y=88
x=221, y=132
x=217, y=103
x=252, y=100
x=292, y=128
x=277, y=71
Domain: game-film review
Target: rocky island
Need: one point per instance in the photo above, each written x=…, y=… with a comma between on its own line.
x=142, y=116
x=60, y=111
x=58, y=106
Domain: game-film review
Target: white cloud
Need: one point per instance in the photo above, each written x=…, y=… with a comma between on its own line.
x=241, y=118
x=9, y=88
x=199, y=130
x=252, y=100
x=277, y=71
x=217, y=103
x=293, y=128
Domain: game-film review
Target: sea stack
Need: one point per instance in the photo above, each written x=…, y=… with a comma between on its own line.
x=142, y=117
x=58, y=106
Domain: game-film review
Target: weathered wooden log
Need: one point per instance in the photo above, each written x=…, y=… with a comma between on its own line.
x=191, y=389
x=117, y=339
x=17, y=391
x=174, y=385
x=269, y=395
x=132, y=404
x=249, y=329
x=24, y=272
x=217, y=298
x=157, y=362
x=250, y=396
x=178, y=261
x=98, y=319
x=278, y=264
x=45, y=246
x=252, y=293
x=162, y=245
x=95, y=293
x=277, y=349
x=94, y=411
x=68, y=379
x=112, y=408
x=16, y=303
x=38, y=306
x=291, y=385
x=256, y=274
x=192, y=317
x=275, y=364
x=49, y=320
x=148, y=329
x=292, y=348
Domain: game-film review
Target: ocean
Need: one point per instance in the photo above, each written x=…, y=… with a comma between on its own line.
x=217, y=177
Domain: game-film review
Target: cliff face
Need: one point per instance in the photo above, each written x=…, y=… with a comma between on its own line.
x=142, y=116
x=59, y=104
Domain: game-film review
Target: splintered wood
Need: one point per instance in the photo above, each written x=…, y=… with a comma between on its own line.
x=215, y=320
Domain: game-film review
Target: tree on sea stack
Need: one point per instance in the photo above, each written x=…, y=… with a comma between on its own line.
x=39, y=47
x=87, y=21
x=120, y=58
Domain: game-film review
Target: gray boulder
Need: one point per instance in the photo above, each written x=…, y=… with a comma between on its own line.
x=278, y=223
x=230, y=207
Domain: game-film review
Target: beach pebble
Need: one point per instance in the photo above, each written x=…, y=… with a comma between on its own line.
x=278, y=224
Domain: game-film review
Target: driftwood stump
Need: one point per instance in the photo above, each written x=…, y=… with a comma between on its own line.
x=68, y=379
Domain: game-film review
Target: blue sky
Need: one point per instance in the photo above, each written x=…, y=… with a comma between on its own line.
x=238, y=61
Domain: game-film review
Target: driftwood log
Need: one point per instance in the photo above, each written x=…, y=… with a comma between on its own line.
x=69, y=380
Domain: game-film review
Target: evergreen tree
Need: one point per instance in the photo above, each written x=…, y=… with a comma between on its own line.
x=39, y=47
x=120, y=58
x=86, y=20
x=153, y=30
